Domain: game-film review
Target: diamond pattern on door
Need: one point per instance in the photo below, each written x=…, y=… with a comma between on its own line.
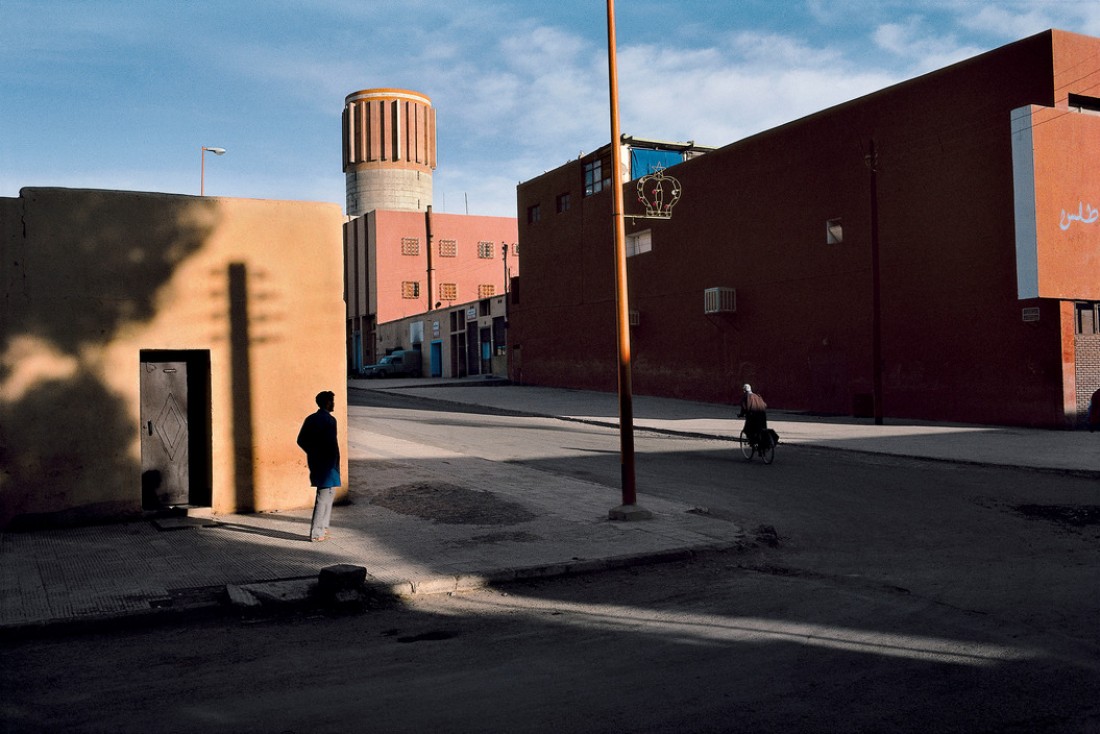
x=171, y=425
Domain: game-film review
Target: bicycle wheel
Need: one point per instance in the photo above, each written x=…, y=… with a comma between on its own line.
x=746, y=446
x=768, y=453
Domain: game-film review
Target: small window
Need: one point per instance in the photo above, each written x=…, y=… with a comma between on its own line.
x=563, y=203
x=485, y=250
x=1088, y=318
x=834, y=232
x=410, y=245
x=448, y=291
x=597, y=176
x=639, y=242
x=515, y=249
x=534, y=214
x=486, y=291
x=410, y=289
x=1087, y=105
x=448, y=248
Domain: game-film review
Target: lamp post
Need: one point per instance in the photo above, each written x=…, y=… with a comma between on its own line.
x=202, y=166
x=629, y=509
x=507, y=356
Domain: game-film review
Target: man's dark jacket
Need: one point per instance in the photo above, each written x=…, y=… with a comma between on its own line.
x=318, y=439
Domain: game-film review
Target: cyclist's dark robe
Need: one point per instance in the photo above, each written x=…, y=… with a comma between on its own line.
x=753, y=409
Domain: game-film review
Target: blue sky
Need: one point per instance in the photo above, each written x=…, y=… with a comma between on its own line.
x=121, y=94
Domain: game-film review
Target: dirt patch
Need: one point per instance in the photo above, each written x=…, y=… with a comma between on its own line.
x=451, y=505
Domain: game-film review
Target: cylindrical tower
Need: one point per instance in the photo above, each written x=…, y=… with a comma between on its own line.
x=389, y=150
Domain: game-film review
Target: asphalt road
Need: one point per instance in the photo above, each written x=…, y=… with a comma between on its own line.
x=984, y=539
x=903, y=596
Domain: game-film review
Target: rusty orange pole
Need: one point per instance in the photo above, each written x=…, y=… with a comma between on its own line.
x=629, y=509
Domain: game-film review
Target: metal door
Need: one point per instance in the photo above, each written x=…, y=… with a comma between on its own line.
x=437, y=359
x=165, y=435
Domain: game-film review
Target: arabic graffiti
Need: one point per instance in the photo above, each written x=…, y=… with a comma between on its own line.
x=1086, y=214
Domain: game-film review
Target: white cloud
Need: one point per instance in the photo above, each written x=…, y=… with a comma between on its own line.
x=715, y=96
x=920, y=45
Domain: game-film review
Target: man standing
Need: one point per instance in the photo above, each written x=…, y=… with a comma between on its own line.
x=318, y=439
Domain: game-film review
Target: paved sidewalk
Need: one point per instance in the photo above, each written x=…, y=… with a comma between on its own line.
x=1067, y=451
x=430, y=521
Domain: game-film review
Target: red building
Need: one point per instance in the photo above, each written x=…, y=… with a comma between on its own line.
x=928, y=251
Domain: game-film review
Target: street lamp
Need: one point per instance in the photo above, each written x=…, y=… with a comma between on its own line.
x=202, y=166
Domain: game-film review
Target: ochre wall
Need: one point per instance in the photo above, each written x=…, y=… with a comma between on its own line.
x=92, y=278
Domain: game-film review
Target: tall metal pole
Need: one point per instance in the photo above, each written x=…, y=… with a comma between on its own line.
x=629, y=509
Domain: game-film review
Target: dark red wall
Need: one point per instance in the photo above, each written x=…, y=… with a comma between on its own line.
x=753, y=217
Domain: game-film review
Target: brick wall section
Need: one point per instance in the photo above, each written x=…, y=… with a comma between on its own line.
x=1088, y=370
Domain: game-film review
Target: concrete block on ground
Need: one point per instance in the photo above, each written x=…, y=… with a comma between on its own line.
x=341, y=577
x=240, y=597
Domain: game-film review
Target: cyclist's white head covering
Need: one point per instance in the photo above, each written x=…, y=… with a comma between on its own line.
x=747, y=387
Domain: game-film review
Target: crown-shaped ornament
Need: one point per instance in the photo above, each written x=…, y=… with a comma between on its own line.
x=658, y=193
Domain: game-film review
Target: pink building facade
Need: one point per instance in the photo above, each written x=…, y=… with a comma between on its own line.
x=402, y=264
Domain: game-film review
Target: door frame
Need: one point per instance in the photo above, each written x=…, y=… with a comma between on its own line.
x=199, y=448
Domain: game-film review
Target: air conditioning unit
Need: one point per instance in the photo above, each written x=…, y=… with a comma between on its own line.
x=635, y=318
x=719, y=300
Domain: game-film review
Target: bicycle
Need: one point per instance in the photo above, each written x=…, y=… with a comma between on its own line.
x=751, y=444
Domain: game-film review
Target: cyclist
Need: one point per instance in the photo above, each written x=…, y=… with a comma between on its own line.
x=754, y=411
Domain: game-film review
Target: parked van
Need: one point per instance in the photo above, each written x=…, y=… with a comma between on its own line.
x=402, y=363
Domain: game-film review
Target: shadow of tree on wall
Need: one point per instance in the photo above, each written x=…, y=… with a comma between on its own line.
x=79, y=268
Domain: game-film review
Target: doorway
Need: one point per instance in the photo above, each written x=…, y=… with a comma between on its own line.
x=175, y=429
x=436, y=352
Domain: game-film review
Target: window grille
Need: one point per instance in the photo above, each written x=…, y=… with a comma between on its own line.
x=448, y=248
x=719, y=300
x=485, y=250
x=410, y=245
x=485, y=291
x=639, y=242
x=448, y=291
x=410, y=289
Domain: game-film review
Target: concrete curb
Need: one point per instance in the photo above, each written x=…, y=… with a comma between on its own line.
x=301, y=593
